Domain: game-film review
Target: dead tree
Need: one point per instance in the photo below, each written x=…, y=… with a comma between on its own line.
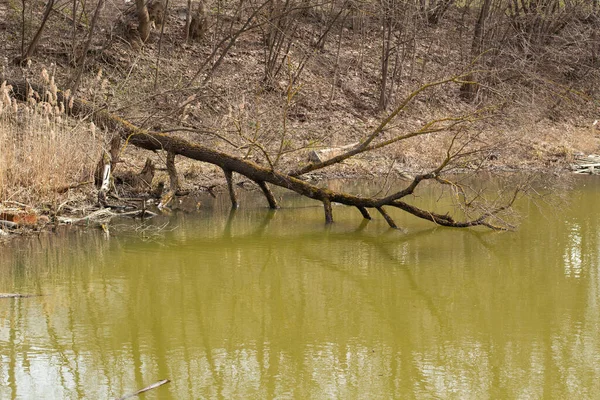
x=196, y=24
x=292, y=180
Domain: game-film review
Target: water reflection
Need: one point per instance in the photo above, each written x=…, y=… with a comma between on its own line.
x=573, y=255
x=275, y=305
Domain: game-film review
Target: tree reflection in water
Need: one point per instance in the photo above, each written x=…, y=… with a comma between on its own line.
x=259, y=304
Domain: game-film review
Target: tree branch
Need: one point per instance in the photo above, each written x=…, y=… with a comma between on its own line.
x=150, y=140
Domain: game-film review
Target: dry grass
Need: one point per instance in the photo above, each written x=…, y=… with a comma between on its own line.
x=41, y=152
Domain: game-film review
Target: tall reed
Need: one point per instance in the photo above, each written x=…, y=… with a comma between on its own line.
x=41, y=149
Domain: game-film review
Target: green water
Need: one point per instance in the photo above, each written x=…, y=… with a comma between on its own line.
x=261, y=305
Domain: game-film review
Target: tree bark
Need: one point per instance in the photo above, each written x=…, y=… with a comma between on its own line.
x=468, y=90
x=38, y=34
x=328, y=211
x=172, y=171
x=143, y=20
x=188, y=21
x=269, y=195
x=231, y=187
x=77, y=79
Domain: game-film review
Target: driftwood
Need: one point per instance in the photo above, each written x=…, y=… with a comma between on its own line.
x=105, y=215
x=147, y=388
x=17, y=295
x=8, y=224
x=261, y=175
x=587, y=165
x=318, y=156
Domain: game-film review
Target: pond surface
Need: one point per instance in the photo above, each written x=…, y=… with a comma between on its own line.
x=277, y=305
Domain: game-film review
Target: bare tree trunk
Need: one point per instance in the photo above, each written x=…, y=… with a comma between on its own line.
x=385, y=64
x=22, y=27
x=162, y=30
x=173, y=179
x=435, y=13
x=337, y=60
x=197, y=26
x=143, y=20
x=389, y=22
x=469, y=89
x=77, y=79
x=188, y=21
x=74, y=31
x=38, y=34
x=111, y=158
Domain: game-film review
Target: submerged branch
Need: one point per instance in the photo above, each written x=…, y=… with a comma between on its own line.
x=147, y=388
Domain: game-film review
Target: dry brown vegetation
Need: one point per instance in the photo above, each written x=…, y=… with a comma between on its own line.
x=269, y=81
x=41, y=152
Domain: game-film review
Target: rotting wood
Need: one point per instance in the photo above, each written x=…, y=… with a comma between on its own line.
x=154, y=141
x=139, y=182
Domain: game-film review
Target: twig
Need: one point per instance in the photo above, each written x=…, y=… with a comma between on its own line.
x=77, y=24
x=147, y=388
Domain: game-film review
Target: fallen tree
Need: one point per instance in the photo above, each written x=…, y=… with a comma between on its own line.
x=292, y=180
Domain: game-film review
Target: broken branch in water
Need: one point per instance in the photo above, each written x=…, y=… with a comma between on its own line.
x=153, y=386
x=105, y=215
